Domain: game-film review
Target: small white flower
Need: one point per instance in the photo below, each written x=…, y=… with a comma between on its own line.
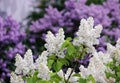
x=15, y=79
x=54, y=43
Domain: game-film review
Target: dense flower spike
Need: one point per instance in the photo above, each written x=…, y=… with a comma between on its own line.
x=54, y=43
x=41, y=65
x=96, y=68
x=87, y=35
x=24, y=66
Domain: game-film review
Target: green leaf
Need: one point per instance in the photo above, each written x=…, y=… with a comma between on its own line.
x=65, y=44
x=63, y=61
x=50, y=62
x=82, y=80
x=118, y=74
x=69, y=39
x=30, y=80
x=33, y=78
x=52, y=57
x=71, y=49
x=91, y=78
x=55, y=78
x=57, y=65
x=109, y=74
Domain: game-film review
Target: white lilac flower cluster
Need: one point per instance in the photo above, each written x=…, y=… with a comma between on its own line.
x=41, y=66
x=54, y=43
x=15, y=78
x=86, y=35
x=96, y=68
x=26, y=66
x=114, y=51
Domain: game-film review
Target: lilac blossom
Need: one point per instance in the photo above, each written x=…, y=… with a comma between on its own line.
x=10, y=31
x=11, y=38
x=19, y=48
x=53, y=20
x=78, y=10
x=114, y=7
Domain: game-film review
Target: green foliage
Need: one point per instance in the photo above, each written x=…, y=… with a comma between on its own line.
x=50, y=62
x=56, y=63
x=88, y=79
x=55, y=78
x=115, y=70
x=70, y=49
x=32, y=79
x=91, y=78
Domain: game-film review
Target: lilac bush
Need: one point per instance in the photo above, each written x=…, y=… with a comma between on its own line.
x=11, y=38
x=69, y=17
x=58, y=63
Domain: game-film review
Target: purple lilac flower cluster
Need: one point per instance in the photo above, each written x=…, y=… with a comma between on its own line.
x=11, y=37
x=78, y=9
x=107, y=14
x=111, y=33
x=74, y=11
x=53, y=20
